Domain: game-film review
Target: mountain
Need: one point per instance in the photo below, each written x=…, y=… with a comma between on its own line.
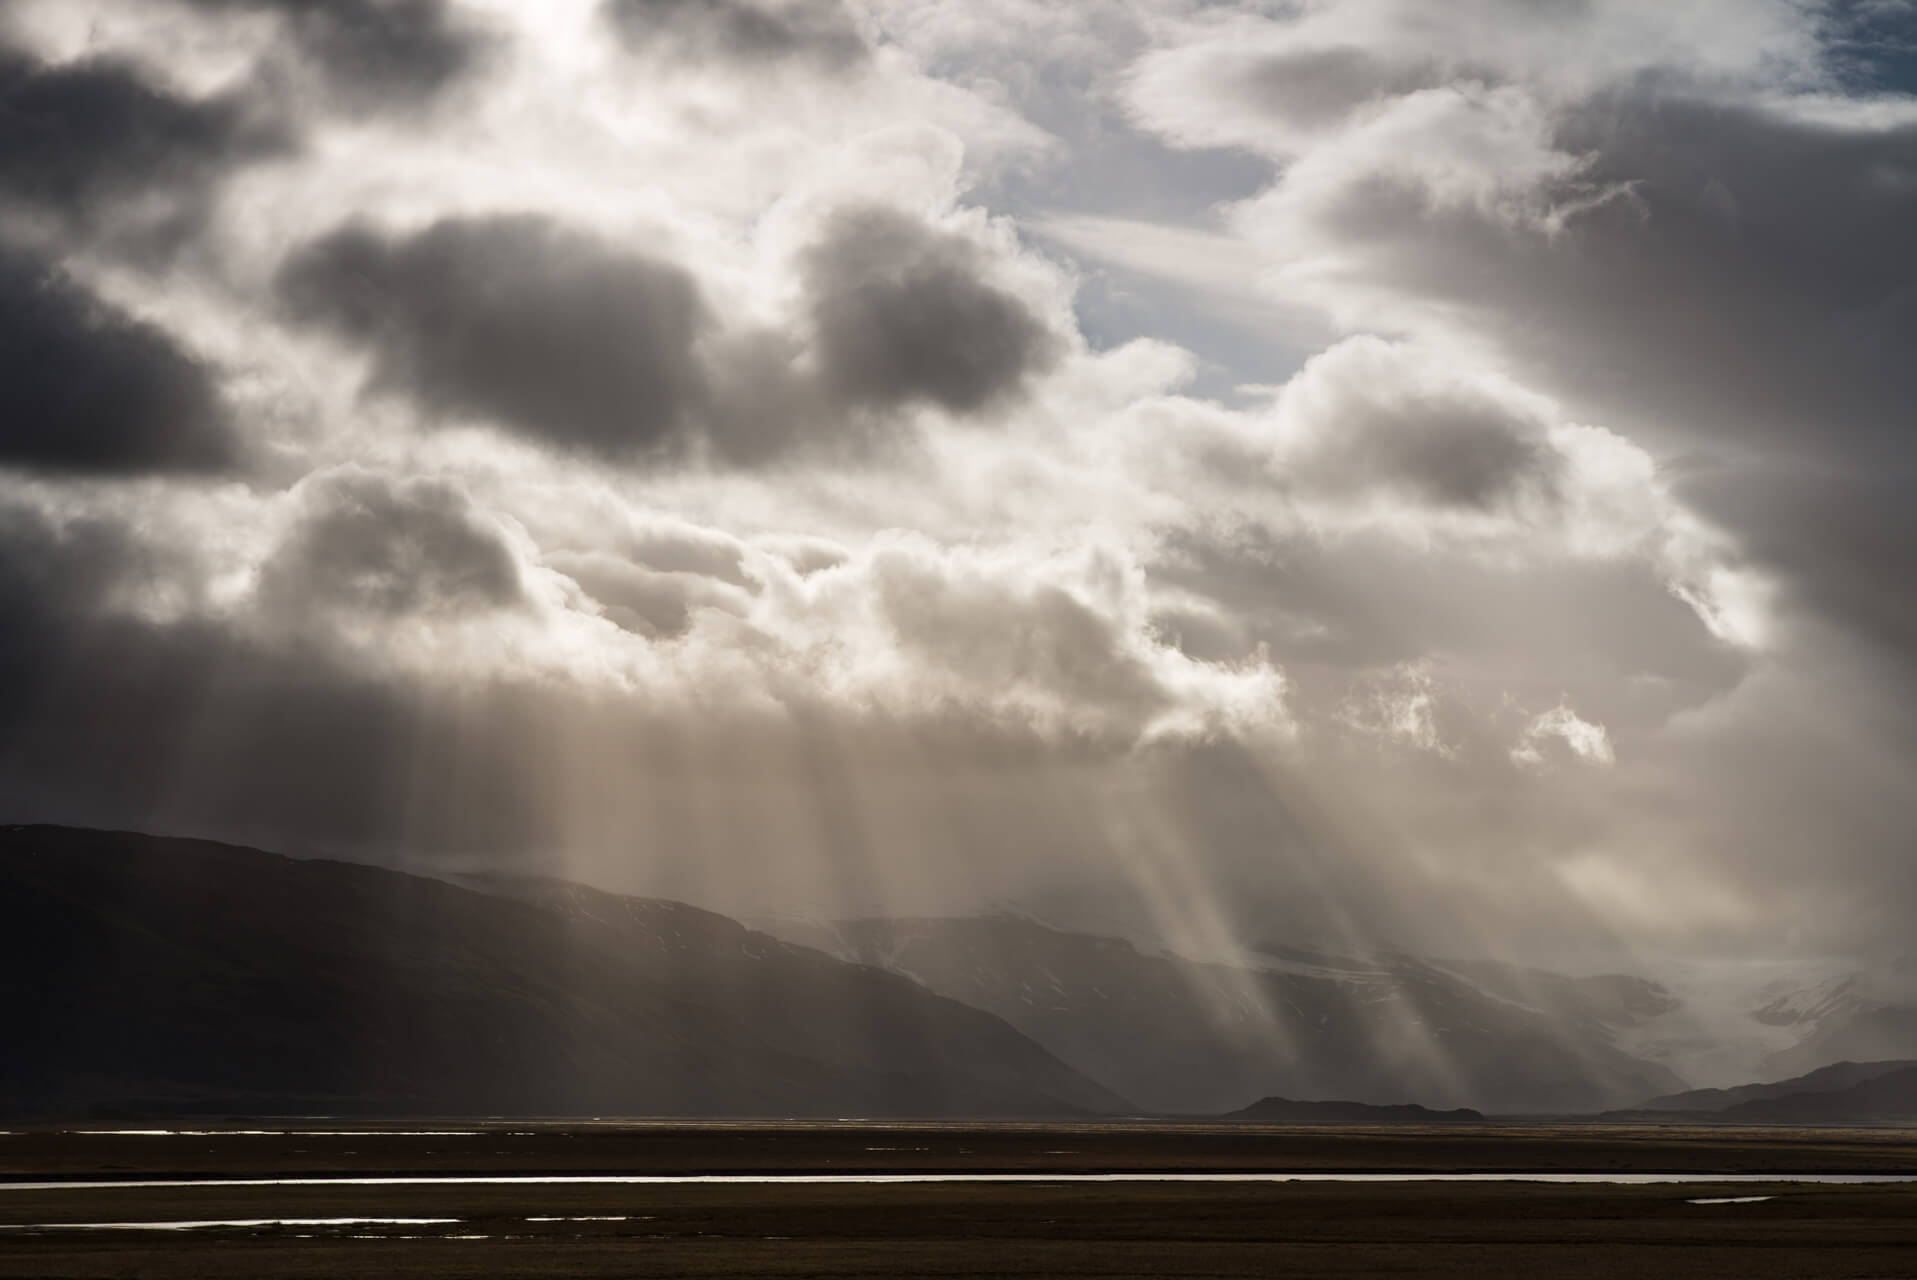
x=146, y=974
x=1288, y=1111
x=1844, y=1019
x=1835, y=1077
x=1179, y=1036
x=1889, y=1098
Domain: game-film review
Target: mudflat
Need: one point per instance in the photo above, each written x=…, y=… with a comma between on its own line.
x=1411, y=1228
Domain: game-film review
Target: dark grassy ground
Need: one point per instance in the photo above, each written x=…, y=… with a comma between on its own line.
x=977, y=1229
x=667, y=1147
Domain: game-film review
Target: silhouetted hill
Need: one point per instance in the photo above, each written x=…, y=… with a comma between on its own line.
x=1838, y=1075
x=1176, y=1035
x=148, y=974
x=1288, y=1111
x=1883, y=1099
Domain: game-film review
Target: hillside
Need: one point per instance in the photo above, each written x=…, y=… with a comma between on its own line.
x=154, y=975
x=1890, y=1098
x=1836, y=1076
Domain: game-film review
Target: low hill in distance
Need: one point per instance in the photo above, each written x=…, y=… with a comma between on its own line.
x=1289, y=1111
x=158, y=976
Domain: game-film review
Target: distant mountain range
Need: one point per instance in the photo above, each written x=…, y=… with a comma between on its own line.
x=1846, y=1018
x=149, y=975
x=1178, y=1036
x=1834, y=1078
x=1838, y=1094
x=152, y=976
x=1880, y=1099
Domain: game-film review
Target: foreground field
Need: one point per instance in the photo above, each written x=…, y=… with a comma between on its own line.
x=1410, y=1229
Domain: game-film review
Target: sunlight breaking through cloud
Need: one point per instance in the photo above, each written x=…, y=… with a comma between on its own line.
x=773, y=453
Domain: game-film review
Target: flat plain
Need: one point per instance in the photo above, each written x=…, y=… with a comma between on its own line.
x=956, y=1229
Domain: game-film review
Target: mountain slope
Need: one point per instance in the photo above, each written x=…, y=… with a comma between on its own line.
x=1837, y=1076
x=1176, y=1035
x=147, y=973
x=1882, y=1099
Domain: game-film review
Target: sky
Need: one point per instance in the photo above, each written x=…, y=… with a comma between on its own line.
x=1350, y=472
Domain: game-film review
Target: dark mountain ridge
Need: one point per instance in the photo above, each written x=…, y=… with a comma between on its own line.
x=1842, y=1093
x=1890, y=1098
x=152, y=974
x=1836, y=1076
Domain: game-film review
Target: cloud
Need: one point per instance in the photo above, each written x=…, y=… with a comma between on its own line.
x=375, y=55
x=1065, y=642
x=821, y=33
x=1367, y=416
x=1711, y=261
x=905, y=313
x=92, y=390
x=366, y=544
x=1582, y=739
x=562, y=337
x=1267, y=95
x=95, y=146
x=514, y=319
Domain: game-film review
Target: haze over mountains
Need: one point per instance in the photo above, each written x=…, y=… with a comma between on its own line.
x=147, y=975
x=1180, y=1036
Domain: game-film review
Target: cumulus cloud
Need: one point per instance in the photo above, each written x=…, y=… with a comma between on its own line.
x=94, y=390
x=1366, y=416
x=1272, y=96
x=366, y=544
x=754, y=32
x=94, y=146
x=517, y=320
x=374, y=54
x=902, y=312
x=1065, y=642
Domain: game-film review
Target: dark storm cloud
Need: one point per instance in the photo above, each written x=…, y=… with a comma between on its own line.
x=1846, y=539
x=1752, y=289
x=376, y=54
x=89, y=389
x=749, y=31
x=1762, y=273
x=903, y=312
x=91, y=143
x=1750, y=277
x=371, y=544
x=550, y=332
x=1730, y=282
